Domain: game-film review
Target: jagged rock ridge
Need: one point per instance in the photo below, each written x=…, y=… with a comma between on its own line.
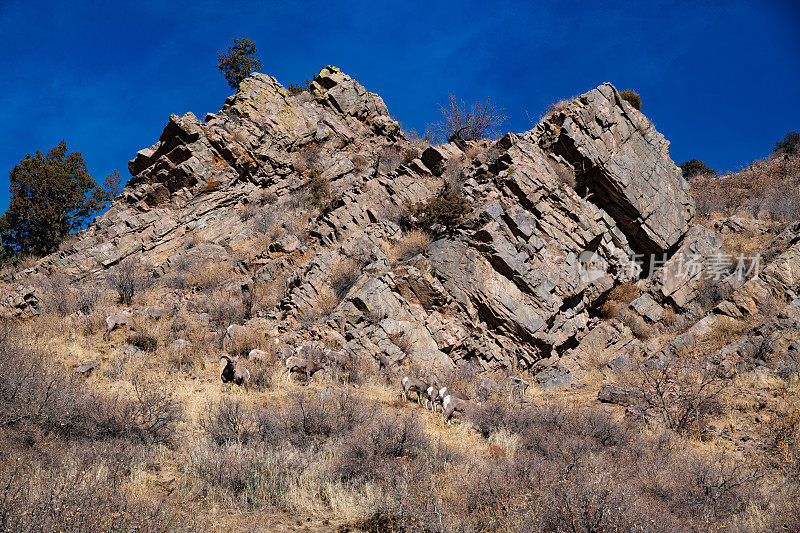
x=507, y=287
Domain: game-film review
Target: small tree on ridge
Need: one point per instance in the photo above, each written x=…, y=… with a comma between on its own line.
x=238, y=62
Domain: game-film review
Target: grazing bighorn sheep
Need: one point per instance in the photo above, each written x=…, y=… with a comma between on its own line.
x=338, y=358
x=282, y=350
x=258, y=355
x=436, y=396
x=115, y=320
x=234, y=330
x=306, y=366
x=413, y=385
x=383, y=361
x=431, y=380
x=452, y=404
x=235, y=372
x=310, y=350
x=155, y=312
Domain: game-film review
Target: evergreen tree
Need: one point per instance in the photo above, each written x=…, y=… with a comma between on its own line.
x=238, y=62
x=50, y=196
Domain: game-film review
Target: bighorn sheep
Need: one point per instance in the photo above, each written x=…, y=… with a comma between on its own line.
x=413, y=385
x=452, y=404
x=518, y=388
x=115, y=320
x=234, y=330
x=338, y=358
x=383, y=361
x=310, y=350
x=235, y=372
x=306, y=366
x=258, y=355
x=436, y=396
x=282, y=350
x=431, y=380
x=155, y=312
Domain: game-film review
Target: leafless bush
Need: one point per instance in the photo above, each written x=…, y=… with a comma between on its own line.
x=264, y=220
x=247, y=211
x=330, y=414
x=230, y=421
x=360, y=161
x=683, y=392
x=247, y=477
x=128, y=278
x=86, y=298
x=619, y=298
x=59, y=296
x=81, y=488
x=467, y=125
x=371, y=451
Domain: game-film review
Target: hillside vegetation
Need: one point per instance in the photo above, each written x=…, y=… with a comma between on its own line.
x=542, y=277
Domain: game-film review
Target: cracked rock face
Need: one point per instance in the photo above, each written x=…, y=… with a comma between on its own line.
x=622, y=163
x=519, y=281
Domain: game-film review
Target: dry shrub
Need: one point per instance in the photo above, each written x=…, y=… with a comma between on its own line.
x=711, y=291
x=412, y=242
x=323, y=305
x=247, y=211
x=207, y=275
x=306, y=159
x=241, y=344
x=683, y=392
x=143, y=341
x=768, y=186
x=238, y=135
x=389, y=159
x=128, y=278
x=319, y=192
x=372, y=450
x=61, y=298
x=247, y=477
x=80, y=488
x=722, y=333
x=557, y=107
x=784, y=439
x=359, y=161
x=475, y=123
x=231, y=421
x=267, y=295
x=344, y=274
x=446, y=210
x=566, y=175
x=619, y=298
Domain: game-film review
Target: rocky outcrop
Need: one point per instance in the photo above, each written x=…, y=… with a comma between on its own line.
x=518, y=281
x=621, y=162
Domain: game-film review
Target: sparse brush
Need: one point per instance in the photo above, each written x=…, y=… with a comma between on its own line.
x=128, y=278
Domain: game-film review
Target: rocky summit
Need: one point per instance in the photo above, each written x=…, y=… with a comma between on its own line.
x=504, y=288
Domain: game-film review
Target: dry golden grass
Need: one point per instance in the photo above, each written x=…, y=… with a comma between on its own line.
x=410, y=244
x=619, y=298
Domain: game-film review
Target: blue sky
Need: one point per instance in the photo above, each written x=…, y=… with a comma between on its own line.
x=720, y=79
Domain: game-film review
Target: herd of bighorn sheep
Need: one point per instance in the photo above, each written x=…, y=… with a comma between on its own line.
x=311, y=357
x=429, y=389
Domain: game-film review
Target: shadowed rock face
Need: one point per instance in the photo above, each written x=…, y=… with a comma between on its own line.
x=507, y=287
